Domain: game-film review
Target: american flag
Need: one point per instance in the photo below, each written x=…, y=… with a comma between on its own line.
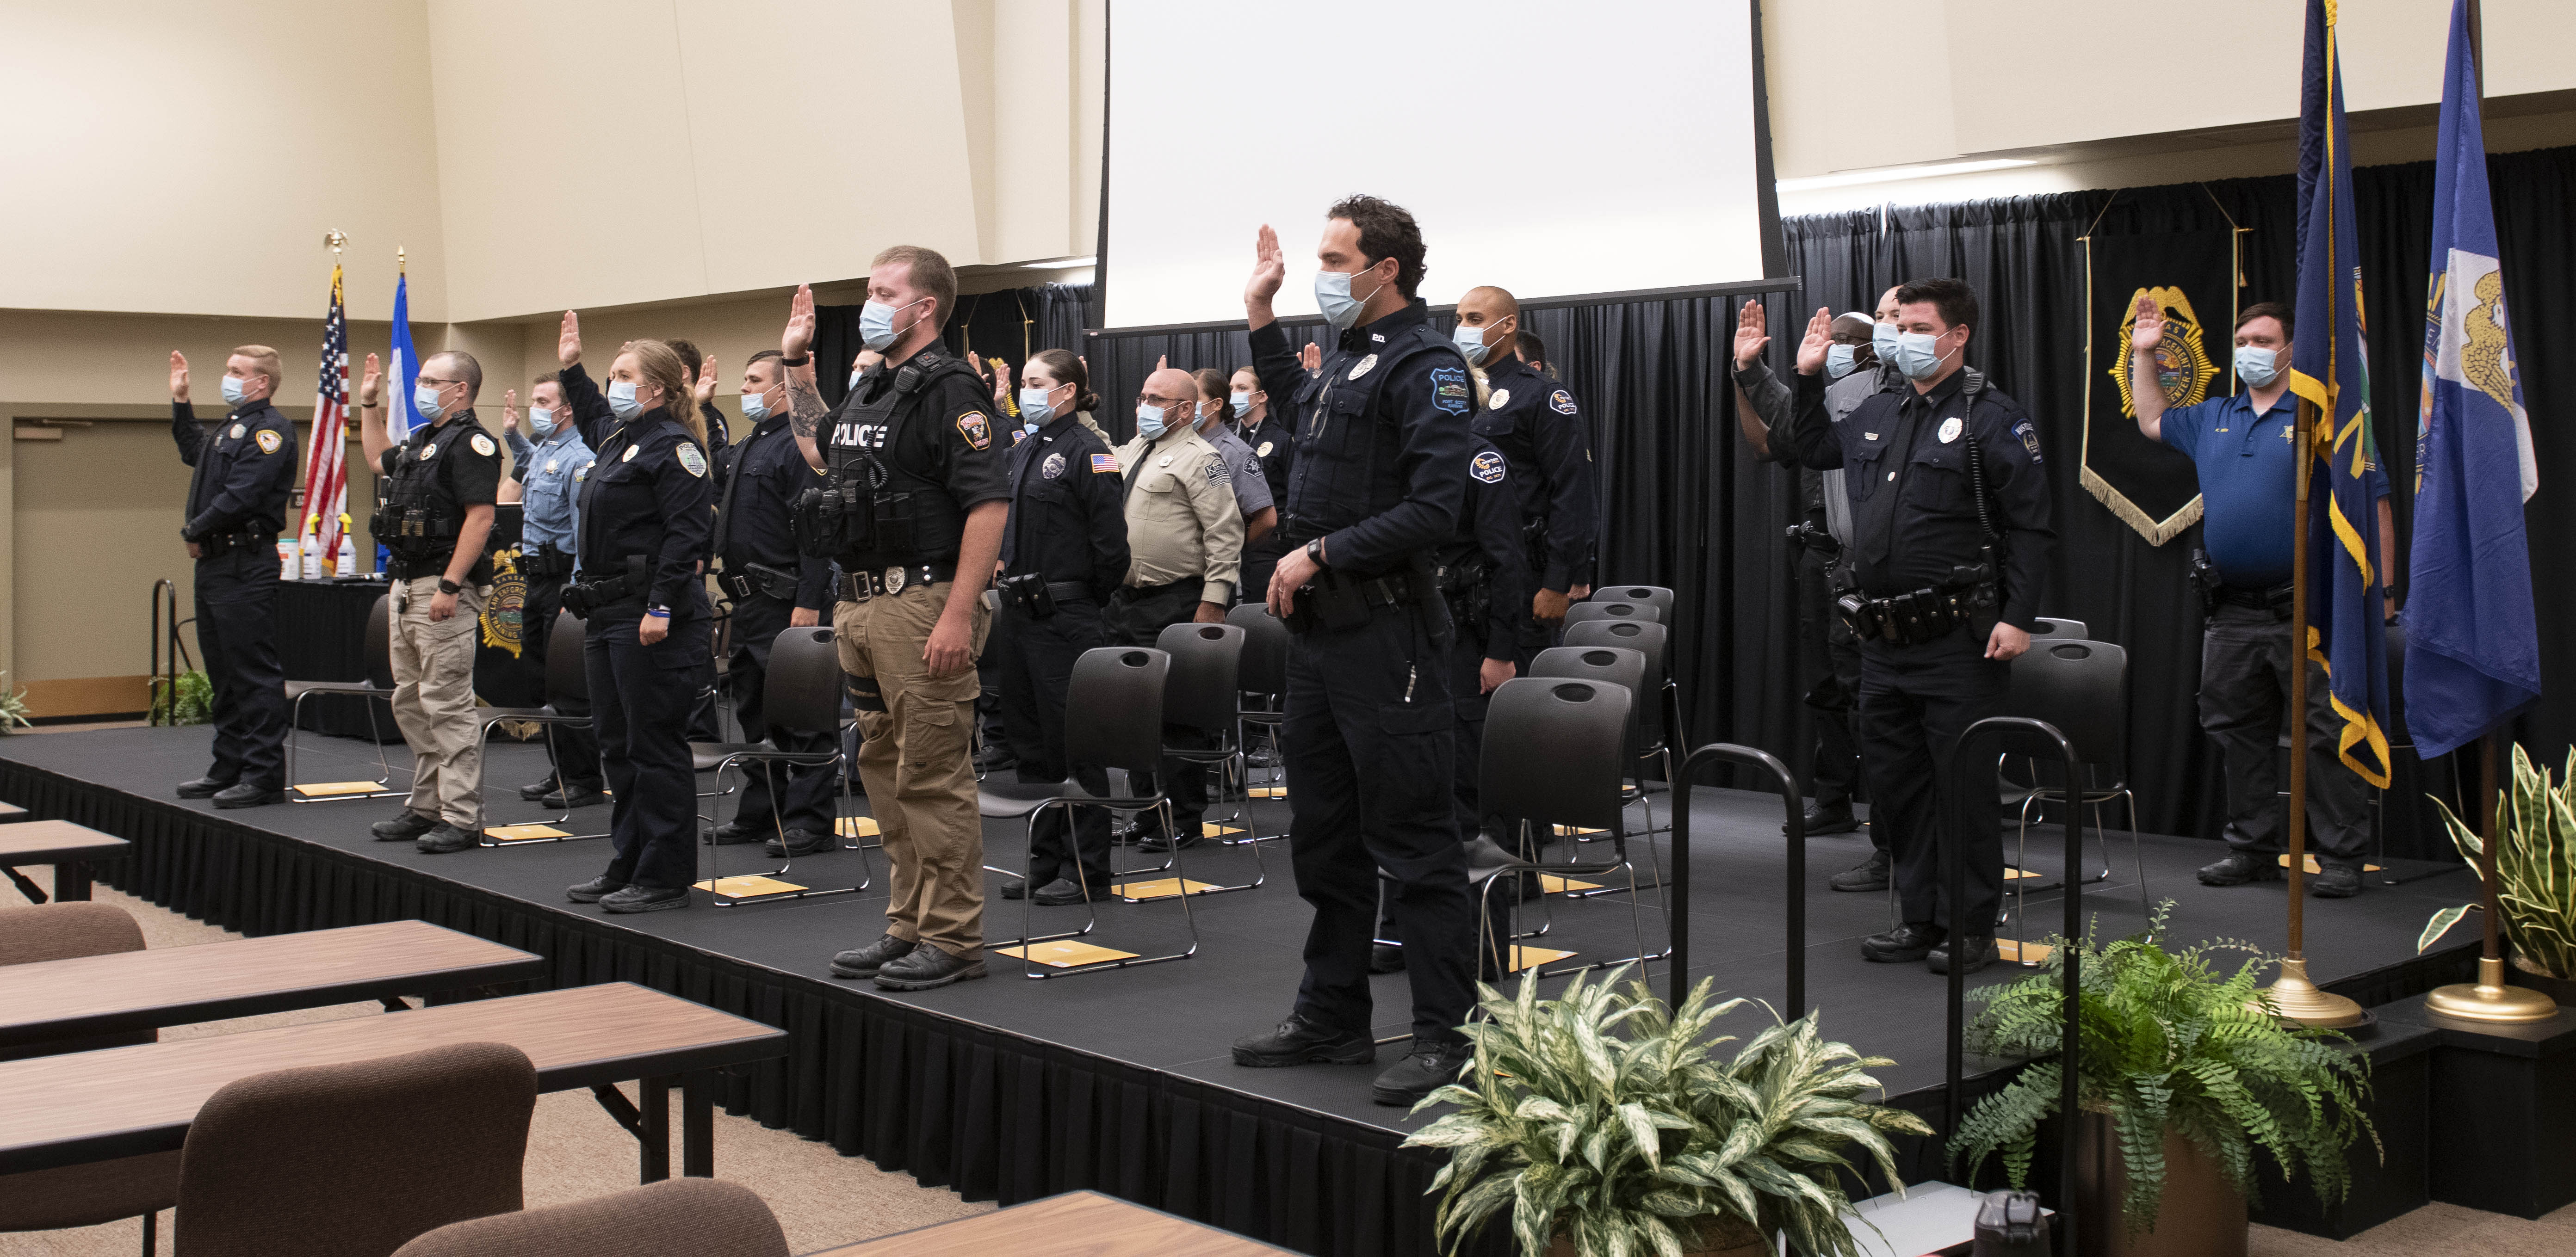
x=326, y=473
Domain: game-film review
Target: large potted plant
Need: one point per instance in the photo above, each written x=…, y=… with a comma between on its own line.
x=1606, y=1126
x=2535, y=876
x=2182, y=1075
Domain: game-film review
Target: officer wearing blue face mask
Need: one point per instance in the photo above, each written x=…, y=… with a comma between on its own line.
x=1540, y=430
x=550, y=472
x=237, y=499
x=2241, y=446
x=1951, y=538
x=1380, y=479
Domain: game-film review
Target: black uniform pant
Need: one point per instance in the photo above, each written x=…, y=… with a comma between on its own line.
x=1467, y=733
x=2244, y=700
x=1035, y=660
x=806, y=802
x=1915, y=701
x=1136, y=617
x=1370, y=744
x=640, y=698
x=237, y=634
x=1829, y=658
x=574, y=749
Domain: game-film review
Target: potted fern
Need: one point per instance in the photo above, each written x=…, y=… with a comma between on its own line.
x=2535, y=876
x=1605, y=1125
x=2183, y=1074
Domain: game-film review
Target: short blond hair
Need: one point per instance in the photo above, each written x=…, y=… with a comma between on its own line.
x=265, y=360
x=931, y=275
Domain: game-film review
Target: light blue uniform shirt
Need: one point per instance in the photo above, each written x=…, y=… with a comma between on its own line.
x=550, y=473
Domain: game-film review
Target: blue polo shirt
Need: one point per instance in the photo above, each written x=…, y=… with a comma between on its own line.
x=2247, y=490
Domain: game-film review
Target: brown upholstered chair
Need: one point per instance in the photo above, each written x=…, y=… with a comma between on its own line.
x=354, y=1160
x=102, y=1191
x=702, y=1217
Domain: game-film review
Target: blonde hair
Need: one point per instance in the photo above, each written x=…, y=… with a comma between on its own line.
x=265, y=359
x=660, y=364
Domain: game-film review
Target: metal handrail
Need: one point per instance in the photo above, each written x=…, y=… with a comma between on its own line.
x=164, y=672
x=1677, y=918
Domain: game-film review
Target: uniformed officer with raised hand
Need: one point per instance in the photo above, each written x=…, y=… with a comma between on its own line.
x=914, y=502
x=1951, y=540
x=237, y=499
x=1265, y=430
x=439, y=487
x=1543, y=435
x=550, y=470
x=1379, y=479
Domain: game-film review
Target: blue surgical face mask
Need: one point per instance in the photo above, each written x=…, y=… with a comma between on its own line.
x=1471, y=342
x=1882, y=338
x=876, y=323
x=424, y=401
x=541, y=420
x=1149, y=422
x=621, y=399
x=1035, y=409
x=1333, y=297
x=755, y=406
x=2257, y=366
x=233, y=390
x=855, y=373
x=1918, y=355
x=1839, y=361
x=1241, y=402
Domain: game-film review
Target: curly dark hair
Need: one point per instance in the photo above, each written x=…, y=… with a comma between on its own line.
x=1387, y=230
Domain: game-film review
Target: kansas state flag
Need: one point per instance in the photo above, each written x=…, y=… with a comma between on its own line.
x=2472, y=651
x=2346, y=632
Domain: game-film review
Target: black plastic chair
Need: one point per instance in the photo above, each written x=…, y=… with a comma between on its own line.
x=2054, y=627
x=2082, y=688
x=1263, y=671
x=1204, y=696
x=567, y=679
x=800, y=693
x=1586, y=612
x=1659, y=710
x=378, y=685
x=1553, y=756
x=1113, y=719
x=1624, y=667
x=1656, y=596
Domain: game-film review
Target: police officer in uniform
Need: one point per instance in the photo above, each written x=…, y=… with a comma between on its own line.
x=1274, y=451
x=1251, y=489
x=646, y=508
x=237, y=499
x=1064, y=552
x=550, y=472
x=774, y=586
x=1378, y=486
x=439, y=487
x=916, y=496
x=1951, y=534
x=1541, y=432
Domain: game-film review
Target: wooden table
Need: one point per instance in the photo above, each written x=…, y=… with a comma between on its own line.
x=11, y=812
x=1086, y=1224
x=68, y=847
x=122, y=1102
x=172, y=986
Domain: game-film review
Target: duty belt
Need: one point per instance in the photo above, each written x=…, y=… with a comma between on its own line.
x=2274, y=599
x=862, y=585
x=1921, y=616
x=216, y=543
x=545, y=563
x=757, y=578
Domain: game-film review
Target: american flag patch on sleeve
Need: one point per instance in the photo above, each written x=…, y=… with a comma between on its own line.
x=1104, y=464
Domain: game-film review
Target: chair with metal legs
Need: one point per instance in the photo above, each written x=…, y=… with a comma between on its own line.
x=1263, y=671
x=2081, y=687
x=800, y=693
x=1554, y=755
x=1624, y=667
x=1113, y=720
x=567, y=683
x=378, y=685
x=1202, y=696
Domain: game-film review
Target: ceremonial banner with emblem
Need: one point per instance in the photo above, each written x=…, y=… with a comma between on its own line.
x=2192, y=277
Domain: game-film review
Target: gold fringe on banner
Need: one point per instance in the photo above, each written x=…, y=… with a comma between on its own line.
x=2156, y=531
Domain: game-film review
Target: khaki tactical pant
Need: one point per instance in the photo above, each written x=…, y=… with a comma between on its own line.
x=915, y=762
x=433, y=700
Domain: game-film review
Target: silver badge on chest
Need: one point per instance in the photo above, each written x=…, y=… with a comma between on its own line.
x=1502, y=398
x=1363, y=366
x=1950, y=429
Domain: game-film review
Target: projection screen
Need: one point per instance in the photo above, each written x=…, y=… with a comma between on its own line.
x=1547, y=148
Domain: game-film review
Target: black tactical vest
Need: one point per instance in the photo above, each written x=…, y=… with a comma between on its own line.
x=882, y=468
x=418, y=519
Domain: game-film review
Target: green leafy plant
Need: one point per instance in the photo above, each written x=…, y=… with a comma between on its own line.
x=1604, y=1115
x=2535, y=868
x=13, y=706
x=191, y=702
x=2166, y=1043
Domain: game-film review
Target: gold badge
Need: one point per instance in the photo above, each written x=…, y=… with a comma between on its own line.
x=482, y=445
x=1264, y=451
x=1501, y=397
x=2183, y=368
x=269, y=441
x=238, y=429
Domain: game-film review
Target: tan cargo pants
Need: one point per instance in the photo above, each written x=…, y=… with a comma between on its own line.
x=433, y=700
x=915, y=762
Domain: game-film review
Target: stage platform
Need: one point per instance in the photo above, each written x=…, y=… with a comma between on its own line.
x=1121, y=1081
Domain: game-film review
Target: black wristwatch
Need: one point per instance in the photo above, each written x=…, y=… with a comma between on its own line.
x=446, y=586
x=1315, y=552
x=795, y=362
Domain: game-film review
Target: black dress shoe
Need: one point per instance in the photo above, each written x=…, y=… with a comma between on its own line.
x=578, y=796
x=2237, y=868
x=536, y=790
x=1298, y=1041
x=800, y=842
x=1425, y=1069
x=1163, y=842
x=1820, y=819
x=201, y=788
x=2334, y=881
x=444, y=839
x=864, y=962
x=1868, y=875
x=1386, y=958
x=1903, y=945
x=595, y=889
x=1058, y=893
x=404, y=828
x=248, y=795
x=1980, y=952
x=1015, y=889
x=736, y=834
x=926, y=967
x=644, y=899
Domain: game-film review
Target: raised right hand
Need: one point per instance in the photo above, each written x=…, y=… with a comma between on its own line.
x=510, y=411
x=1751, y=334
x=178, y=376
x=799, y=335
x=1819, y=339
x=568, y=342
x=372, y=380
x=2149, y=331
x=1269, y=268
x=1311, y=357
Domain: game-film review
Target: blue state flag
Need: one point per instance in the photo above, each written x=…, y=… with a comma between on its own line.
x=400, y=418
x=2472, y=647
x=2346, y=630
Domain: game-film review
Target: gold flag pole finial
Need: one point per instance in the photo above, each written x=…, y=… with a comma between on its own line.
x=402, y=260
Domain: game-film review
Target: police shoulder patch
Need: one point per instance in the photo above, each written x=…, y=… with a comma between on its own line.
x=1487, y=467
x=1217, y=472
x=269, y=441
x=2029, y=435
x=482, y=445
x=1450, y=394
x=1561, y=402
x=692, y=459
x=977, y=430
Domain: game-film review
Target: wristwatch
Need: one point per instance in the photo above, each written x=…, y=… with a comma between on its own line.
x=446, y=586
x=1315, y=552
x=795, y=362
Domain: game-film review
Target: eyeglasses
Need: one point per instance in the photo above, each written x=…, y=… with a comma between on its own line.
x=438, y=383
x=1148, y=399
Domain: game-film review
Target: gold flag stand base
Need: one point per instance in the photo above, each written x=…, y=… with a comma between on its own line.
x=2489, y=999
x=2299, y=1000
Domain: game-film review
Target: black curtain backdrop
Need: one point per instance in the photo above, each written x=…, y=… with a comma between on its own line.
x=2026, y=261
x=1010, y=325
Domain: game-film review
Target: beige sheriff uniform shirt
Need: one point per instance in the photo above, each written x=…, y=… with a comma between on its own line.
x=1182, y=520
